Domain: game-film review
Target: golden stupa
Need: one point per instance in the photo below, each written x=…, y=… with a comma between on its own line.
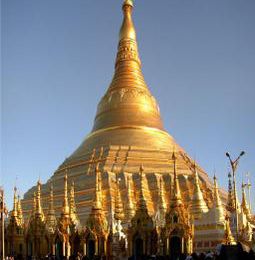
x=128, y=132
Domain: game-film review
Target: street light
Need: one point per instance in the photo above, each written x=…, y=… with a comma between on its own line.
x=234, y=164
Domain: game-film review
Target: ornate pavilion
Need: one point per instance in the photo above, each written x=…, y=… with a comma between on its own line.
x=129, y=188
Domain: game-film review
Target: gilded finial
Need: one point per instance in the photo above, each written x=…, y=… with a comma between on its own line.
x=65, y=208
x=19, y=211
x=217, y=200
x=228, y=234
x=230, y=201
x=38, y=209
x=119, y=215
x=14, y=211
x=127, y=30
x=161, y=200
x=198, y=205
x=73, y=215
x=196, y=176
x=51, y=220
x=142, y=202
x=176, y=193
x=34, y=203
x=51, y=199
x=248, y=186
x=130, y=208
x=98, y=195
x=128, y=2
x=244, y=204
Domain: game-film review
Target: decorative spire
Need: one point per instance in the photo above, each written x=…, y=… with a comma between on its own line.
x=51, y=217
x=161, y=200
x=65, y=208
x=51, y=211
x=73, y=215
x=176, y=194
x=19, y=211
x=128, y=100
x=229, y=240
x=218, y=211
x=38, y=207
x=119, y=214
x=34, y=204
x=230, y=201
x=248, y=185
x=244, y=204
x=216, y=196
x=98, y=195
x=128, y=50
x=51, y=200
x=127, y=30
x=142, y=203
x=161, y=207
x=130, y=208
x=198, y=205
x=97, y=220
x=14, y=213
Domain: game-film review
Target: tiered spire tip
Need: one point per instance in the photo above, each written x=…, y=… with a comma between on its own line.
x=127, y=30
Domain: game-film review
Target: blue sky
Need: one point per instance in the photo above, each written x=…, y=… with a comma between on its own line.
x=58, y=58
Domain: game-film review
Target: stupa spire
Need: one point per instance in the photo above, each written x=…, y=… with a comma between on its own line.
x=127, y=37
x=51, y=220
x=51, y=210
x=218, y=211
x=38, y=207
x=228, y=234
x=73, y=213
x=51, y=199
x=19, y=211
x=198, y=205
x=130, y=208
x=98, y=194
x=244, y=204
x=65, y=208
x=128, y=101
x=217, y=200
x=34, y=203
x=161, y=200
x=14, y=213
x=161, y=205
x=141, y=203
x=230, y=201
x=127, y=30
x=176, y=193
x=119, y=214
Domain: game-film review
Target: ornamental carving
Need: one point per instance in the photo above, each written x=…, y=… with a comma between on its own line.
x=127, y=51
x=127, y=95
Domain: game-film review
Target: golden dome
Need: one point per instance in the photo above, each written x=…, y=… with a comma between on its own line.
x=127, y=114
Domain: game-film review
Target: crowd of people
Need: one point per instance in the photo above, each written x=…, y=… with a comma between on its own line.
x=224, y=253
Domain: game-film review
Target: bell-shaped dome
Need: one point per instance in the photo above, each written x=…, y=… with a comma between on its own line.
x=128, y=114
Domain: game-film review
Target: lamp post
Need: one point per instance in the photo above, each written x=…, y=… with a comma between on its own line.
x=234, y=164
